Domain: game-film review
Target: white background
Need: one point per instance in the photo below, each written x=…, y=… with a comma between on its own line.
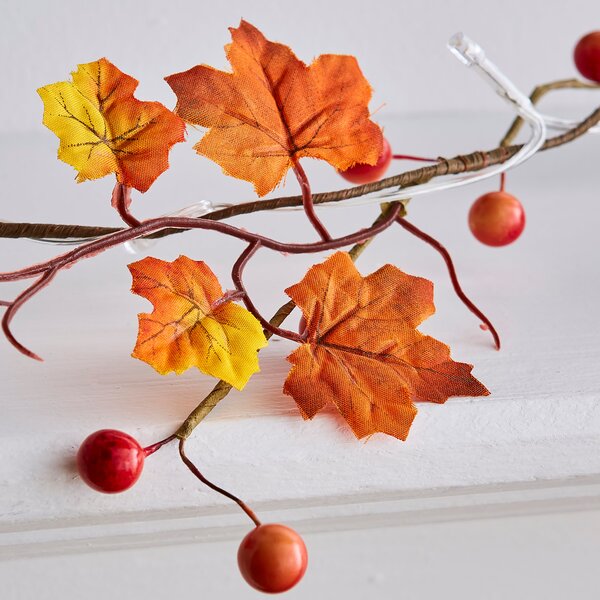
x=400, y=43
x=489, y=498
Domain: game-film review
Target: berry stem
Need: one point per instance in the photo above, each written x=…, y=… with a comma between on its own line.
x=307, y=200
x=502, y=180
x=192, y=467
x=148, y=450
x=415, y=158
x=121, y=201
x=452, y=272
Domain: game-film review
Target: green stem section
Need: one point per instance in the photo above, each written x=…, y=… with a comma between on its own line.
x=222, y=388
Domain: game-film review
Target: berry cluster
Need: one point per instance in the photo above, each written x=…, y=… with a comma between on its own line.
x=272, y=558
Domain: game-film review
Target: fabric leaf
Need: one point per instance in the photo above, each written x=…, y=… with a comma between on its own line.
x=363, y=352
x=192, y=325
x=273, y=109
x=103, y=129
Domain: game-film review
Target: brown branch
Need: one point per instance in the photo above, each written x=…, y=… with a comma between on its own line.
x=90, y=249
x=537, y=94
x=48, y=269
x=474, y=161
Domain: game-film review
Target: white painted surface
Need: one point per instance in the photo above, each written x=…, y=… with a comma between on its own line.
x=533, y=557
x=494, y=498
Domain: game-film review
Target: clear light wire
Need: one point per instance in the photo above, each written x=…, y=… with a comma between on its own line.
x=472, y=55
x=565, y=124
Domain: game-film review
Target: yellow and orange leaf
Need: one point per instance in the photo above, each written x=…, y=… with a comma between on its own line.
x=363, y=352
x=274, y=109
x=103, y=129
x=192, y=325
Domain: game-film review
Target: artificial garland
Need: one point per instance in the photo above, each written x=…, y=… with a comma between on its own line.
x=358, y=343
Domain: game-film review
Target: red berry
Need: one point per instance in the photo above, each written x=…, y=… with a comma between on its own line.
x=497, y=219
x=110, y=461
x=362, y=173
x=587, y=56
x=272, y=558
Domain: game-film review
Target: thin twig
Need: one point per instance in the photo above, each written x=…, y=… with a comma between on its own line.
x=192, y=467
x=502, y=181
x=49, y=268
x=148, y=450
x=16, y=304
x=236, y=275
x=452, y=272
x=415, y=158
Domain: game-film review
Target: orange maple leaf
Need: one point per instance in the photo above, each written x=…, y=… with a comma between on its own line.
x=363, y=352
x=192, y=323
x=103, y=129
x=273, y=109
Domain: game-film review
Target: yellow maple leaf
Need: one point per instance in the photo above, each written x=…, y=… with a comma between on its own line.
x=103, y=129
x=191, y=325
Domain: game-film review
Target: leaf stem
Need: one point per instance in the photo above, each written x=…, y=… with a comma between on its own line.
x=307, y=200
x=121, y=201
x=192, y=467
